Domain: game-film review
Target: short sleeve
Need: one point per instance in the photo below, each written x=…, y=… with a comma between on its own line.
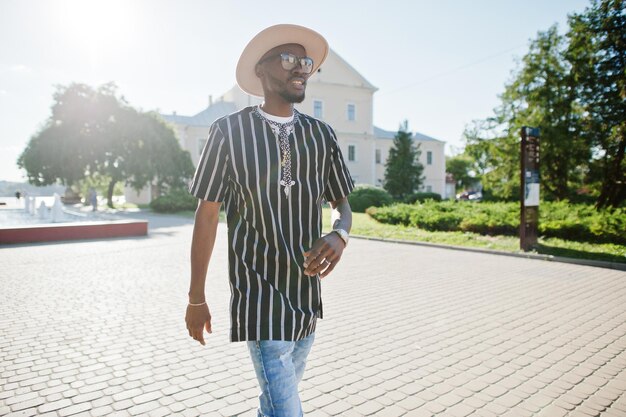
x=210, y=181
x=339, y=182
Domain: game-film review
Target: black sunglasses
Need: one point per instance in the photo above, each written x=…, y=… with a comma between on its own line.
x=290, y=61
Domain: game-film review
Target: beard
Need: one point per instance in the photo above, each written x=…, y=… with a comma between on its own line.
x=292, y=98
x=281, y=89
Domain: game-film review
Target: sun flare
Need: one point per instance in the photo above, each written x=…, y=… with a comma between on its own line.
x=98, y=26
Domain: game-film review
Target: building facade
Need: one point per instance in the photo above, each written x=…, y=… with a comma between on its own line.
x=338, y=95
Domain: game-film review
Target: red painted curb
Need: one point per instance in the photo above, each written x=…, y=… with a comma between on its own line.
x=73, y=231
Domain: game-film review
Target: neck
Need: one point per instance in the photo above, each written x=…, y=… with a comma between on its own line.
x=277, y=109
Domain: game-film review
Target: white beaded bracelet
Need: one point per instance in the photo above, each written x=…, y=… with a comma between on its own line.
x=197, y=305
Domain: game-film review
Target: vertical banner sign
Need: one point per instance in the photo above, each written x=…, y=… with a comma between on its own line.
x=529, y=192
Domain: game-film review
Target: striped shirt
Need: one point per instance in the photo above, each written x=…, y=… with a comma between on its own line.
x=268, y=230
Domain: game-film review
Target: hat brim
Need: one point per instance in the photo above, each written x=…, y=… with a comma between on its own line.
x=314, y=44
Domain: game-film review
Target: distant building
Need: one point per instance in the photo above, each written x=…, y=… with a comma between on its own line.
x=338, y=95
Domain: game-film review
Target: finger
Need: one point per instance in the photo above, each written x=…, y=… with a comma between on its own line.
x=207, y=326
x=318, y=267
x=199, y=336
x=317, y=257
x=328, y=270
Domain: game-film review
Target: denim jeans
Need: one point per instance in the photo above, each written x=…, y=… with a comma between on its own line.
x=279, y=367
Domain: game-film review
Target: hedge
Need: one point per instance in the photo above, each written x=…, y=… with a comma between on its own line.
x=577, y=222
x=174, y=201
x=363, y=197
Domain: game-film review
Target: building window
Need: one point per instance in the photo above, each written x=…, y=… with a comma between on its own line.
x=351, y=112
x=317, y=109
x=352, y=153
x=429, y=158
x=201, y=143
x=429, y=188
x=378, y=156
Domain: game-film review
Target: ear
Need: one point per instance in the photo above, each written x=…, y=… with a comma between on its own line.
x=258, y=71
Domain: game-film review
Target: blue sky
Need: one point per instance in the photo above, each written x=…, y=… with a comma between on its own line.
x=438, y=64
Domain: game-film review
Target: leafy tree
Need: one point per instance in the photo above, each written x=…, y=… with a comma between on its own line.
x=597, y=51
x=403, y=171
x=540, y=95
x=572, y=87
x=461, y=167
x=95, y=133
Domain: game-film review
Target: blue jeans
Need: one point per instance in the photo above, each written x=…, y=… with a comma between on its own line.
x=279, y=367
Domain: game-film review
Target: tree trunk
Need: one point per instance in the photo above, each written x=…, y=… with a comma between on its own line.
x=110, y=193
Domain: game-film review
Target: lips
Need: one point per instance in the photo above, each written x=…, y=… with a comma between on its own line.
x=298, y=83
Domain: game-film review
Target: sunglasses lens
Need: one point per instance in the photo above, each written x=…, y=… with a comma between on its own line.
x=290, y=61
x=307, y=64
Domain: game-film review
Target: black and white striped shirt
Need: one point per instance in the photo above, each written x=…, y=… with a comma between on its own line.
x=268, y=231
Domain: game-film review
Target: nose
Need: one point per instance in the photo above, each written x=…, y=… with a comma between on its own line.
x=298, y=69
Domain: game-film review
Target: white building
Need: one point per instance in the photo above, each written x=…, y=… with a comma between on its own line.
x=338, y=95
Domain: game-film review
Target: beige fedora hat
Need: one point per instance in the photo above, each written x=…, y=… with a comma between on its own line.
x=314, y=44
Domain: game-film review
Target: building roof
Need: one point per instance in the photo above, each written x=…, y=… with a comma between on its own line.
x=364, y=83
x=388, y=134
x=205, y=117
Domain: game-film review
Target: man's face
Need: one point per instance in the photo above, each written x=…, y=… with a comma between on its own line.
x=289, y=85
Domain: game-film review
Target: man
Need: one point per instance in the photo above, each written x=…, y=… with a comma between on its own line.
x=272, y=167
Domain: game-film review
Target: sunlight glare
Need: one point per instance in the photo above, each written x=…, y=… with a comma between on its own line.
x=99, y=26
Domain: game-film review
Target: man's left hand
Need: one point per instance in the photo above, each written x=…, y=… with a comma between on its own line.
x=324, y=255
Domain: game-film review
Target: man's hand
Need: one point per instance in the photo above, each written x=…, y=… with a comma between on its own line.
x=324, y=255
x=198, y=318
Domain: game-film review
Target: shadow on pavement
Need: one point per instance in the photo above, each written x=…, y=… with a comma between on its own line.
x=577, y=254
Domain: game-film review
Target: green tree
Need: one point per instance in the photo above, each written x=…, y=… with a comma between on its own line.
x=461, y=167
x=403, y=171
x=541, y=95
x=597, y=51
x=95, y=133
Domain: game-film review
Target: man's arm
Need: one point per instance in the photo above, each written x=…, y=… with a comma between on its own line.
x=198, y=317
x=327, y=250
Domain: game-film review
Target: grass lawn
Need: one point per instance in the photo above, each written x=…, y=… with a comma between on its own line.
x=364, y=225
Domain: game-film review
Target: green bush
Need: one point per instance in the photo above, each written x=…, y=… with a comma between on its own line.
x=421, y=197
x=174, y=201
x=576, y=222
x=363, y=197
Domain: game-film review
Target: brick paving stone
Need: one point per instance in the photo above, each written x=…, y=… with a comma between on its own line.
x=337, y=407
x=509, y=400
x=27, y=404
x=449, y=399
x=419, y=413
x=393, y=411
x=411, y=403
x=144, y=408
x=55, y=405
x=23, y=413
x=22, y=398
x=427, y=395
x=74, y=409
x=460, y=410
x=434, y=407
x=549, y=330
x=208, y=407
x=369, y=408
x=324, y=400
x=495, y=391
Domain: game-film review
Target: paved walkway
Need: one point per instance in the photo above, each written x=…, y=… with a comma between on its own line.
x=96, y=328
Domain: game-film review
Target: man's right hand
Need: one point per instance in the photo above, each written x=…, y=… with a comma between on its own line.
x=198, y=318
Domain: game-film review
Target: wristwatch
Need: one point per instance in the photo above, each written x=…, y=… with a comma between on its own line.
x=343, y=235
